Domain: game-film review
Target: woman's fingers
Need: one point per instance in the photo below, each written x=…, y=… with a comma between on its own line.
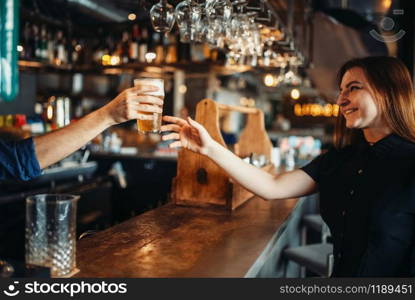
x=170, y=127
x=195, y=124
x=171, y=136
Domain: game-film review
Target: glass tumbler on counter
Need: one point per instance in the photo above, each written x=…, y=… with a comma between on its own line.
x=153, y=125
x=51, y=233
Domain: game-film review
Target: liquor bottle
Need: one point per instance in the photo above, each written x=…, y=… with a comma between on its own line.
x=143, y=45
x=9, y=121
x=65, y=51
x=197, y=52
x=111, y=44
x=60, y=51
x=183, y=52
x=36, y=42
x=158, y=47
x=125, y=47
x=43, y=44
x=50, y=48
x=133, y=50
x=214, y=54
x=75, y=49
x=171, y=54
x=118, y=49
x=206, y=51
x=27, y=52
x=100, y=48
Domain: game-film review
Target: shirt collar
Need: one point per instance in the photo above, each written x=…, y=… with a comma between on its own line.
x=391, y=146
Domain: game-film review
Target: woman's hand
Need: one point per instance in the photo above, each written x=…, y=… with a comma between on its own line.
x=131, y=103
x=188, y=134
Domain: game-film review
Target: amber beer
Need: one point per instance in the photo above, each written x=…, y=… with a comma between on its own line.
x=153, y=125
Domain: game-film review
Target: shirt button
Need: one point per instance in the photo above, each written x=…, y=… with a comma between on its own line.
x=351, y=192
x=360, y=171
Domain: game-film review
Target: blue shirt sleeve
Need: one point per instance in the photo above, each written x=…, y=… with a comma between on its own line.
x=18, y=160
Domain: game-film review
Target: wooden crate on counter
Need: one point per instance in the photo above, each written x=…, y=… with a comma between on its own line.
x=199, y=181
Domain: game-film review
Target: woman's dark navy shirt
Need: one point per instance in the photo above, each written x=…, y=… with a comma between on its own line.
x=367, y=198
x=18, y=160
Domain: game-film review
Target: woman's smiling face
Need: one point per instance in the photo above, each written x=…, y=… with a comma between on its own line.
x=357, y=102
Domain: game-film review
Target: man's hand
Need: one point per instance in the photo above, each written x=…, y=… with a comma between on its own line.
x=56, y=145
x=129, y=104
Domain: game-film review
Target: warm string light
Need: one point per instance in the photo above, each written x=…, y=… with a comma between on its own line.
x=295, y=94
x=269, y=80
x=316, y=110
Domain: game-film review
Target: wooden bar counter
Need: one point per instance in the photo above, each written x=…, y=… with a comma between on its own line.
x=178, y=241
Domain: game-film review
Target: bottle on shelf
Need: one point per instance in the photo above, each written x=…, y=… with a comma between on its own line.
x=27, y=52
x=183, y=52
x=100, y=47
x=125, y=48
x=60, y=49
x=43, y=45
x=143, y=45
x=50, y=48
x=197, y=52
x=36, y=42
x=171, y=53
x=75, y=49
x=133, y=49
x=8, y=121
x=158, y=47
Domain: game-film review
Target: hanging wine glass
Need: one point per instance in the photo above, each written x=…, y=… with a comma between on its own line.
x=253, y=38
x=188, y=14
x=202, y=29
x=218, y=8
x=240, y=4
x=162, y=16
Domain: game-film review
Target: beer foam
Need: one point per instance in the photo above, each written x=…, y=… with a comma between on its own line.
x=154, y=82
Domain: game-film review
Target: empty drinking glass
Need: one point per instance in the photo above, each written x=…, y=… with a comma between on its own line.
x=51, y=232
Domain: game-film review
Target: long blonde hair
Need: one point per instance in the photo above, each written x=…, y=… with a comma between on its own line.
x=390, y=80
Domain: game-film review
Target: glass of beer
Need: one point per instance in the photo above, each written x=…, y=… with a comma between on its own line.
x=153, y=125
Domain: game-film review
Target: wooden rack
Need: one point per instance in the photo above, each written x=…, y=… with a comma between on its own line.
x=199, y=181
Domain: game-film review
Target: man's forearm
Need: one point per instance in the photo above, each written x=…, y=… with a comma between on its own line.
x=56, y=145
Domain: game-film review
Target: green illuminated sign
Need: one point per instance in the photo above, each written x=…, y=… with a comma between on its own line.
x=9, y=36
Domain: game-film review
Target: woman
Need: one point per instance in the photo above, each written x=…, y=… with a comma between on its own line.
x=366, y=183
